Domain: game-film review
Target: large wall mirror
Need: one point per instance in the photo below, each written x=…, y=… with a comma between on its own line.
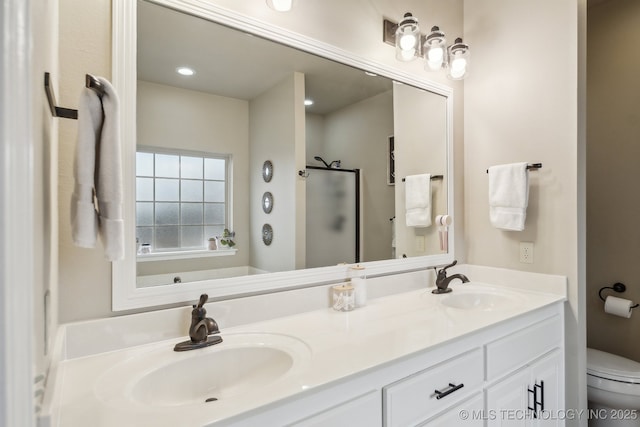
x=196, y=146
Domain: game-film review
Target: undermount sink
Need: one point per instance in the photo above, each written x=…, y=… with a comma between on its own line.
x=482, y=299
x=240, y=365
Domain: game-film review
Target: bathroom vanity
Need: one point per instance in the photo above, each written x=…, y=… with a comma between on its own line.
x=483, y=353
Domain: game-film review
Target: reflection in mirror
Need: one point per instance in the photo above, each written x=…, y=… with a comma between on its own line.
x=244, y=104
x=236, y=114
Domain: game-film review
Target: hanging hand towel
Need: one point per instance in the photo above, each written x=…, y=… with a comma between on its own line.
x=508, y=196
x=418, y=200
x=96, y=204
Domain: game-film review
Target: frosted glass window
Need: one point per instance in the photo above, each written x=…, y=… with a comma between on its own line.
x=213, y=230
x=192, y=237
x=167, y=166
x=144, y=213
x=145, y=235
x=213, y=213
x=144, y=189
x=144, y=164
x=214, y=169
x=181, y=198
x=191, y=167
x=214, y=191
x=191, y=191
x=191, y=213
x=167, y=238
x=167, y=213
x=167, y=190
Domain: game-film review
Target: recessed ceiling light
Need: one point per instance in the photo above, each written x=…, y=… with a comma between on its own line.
x=369, y=73
x=185, y=71
x=308, y=102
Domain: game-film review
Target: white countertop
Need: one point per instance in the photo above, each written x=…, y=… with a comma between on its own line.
x=335, y=345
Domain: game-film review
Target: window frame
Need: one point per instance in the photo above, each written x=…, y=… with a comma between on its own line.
x=181, y=252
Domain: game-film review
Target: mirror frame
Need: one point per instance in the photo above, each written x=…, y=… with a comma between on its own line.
x=125, y=294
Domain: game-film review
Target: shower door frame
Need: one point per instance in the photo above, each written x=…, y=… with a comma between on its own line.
x=357, y=201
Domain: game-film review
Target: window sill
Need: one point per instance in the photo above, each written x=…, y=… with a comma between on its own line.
x=166, y=256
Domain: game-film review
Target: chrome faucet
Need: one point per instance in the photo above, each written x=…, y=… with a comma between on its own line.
x=201, y=328
x=442, y=281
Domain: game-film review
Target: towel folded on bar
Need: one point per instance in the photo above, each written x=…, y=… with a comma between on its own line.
x=418, y=200
x=508, y=196
x=96, y=203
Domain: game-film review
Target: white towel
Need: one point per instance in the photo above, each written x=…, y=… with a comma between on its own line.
x=418, y=200
x=96, y=203
x=508, y=196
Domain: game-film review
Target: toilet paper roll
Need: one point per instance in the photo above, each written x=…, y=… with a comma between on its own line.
x=618, y=306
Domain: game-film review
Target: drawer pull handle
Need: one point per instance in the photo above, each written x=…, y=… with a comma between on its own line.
x=452, y=388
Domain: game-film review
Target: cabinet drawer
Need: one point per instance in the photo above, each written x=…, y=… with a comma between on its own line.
x=467, y=414
x=515, y=350
x=414, y=399
x=363, y=411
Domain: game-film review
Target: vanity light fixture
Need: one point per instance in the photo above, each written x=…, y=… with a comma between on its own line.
x=410, y=44
x=407, y=38
x=185, y=71
x=280, y=5
x=435, y=50
x=458, y=60
x=308, y=102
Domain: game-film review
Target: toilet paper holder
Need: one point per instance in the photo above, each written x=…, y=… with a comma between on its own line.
x=617, y=287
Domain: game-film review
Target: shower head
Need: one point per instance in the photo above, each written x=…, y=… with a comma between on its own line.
x=320, y=159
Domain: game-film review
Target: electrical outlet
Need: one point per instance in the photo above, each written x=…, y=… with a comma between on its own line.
x=526, y=252
x=420, y=243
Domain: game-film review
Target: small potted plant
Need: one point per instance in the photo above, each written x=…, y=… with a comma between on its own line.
x=226, y=240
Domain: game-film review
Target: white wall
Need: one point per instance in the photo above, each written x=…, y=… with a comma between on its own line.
x=275, y=134
x=170, y=117
x=521, y=104
x=314, y=133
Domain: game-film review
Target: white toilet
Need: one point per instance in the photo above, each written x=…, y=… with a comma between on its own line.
x=613, y=390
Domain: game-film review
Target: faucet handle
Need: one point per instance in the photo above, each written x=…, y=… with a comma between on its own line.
x=444, y=269
x=203, y=300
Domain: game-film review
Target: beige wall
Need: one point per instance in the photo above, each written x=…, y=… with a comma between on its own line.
x=521, y=104
x=274, y=117
x=45, y=203
x=357, y=135
x=613, y=204
x=170, y=117
x=420, y=147
x=85, y=47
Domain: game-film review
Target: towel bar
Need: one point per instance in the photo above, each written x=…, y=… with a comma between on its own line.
x=68, y=113
x=433, y=177
x=530, y=167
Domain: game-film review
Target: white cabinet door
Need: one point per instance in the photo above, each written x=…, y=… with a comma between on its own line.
x=548, y=372
x=538, y=386
x=507, y=401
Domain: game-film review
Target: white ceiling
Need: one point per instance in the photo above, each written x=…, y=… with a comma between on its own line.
x=238, y=65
